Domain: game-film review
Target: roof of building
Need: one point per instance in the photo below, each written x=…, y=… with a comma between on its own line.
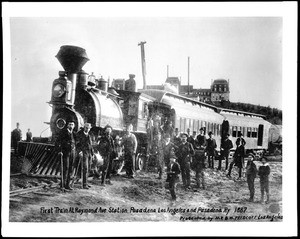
x=220, y=81
x=201, y=90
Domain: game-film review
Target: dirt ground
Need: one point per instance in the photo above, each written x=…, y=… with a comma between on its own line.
x=145, y=198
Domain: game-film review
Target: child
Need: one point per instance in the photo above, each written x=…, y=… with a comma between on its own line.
x=172, y=175
x=251, y=172
x=263, y=173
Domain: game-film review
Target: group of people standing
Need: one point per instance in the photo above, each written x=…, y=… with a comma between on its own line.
x=184, y=152
x=16, y=137
x=77, y=149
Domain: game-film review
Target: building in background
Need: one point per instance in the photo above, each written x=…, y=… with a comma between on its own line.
x=218, y=91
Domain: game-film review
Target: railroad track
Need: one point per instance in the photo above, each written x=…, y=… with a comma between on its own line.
x=32, y=189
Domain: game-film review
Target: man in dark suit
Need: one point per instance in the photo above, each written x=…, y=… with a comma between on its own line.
x=201, y=140
x=176, y=139
x=168, y=147
x=237, y=159
x=185, y=152
x=86, y=152
x=173, y=171
x=108, y=151
x=28, y=136
x=129, y=142
x=16, y=136
x=226, y=145
x=210, y=149
x=241, y=141
x=66, y=143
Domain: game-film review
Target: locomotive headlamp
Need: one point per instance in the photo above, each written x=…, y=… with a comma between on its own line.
x=58, y=90
x=60, y=123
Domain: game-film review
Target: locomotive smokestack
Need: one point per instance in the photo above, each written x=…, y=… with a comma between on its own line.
x=72, y=58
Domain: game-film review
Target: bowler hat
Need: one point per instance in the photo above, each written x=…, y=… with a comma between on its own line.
x=108, y=126
x=70, y=120
x=202, y=128
x=251, y=155
x=210, y=133
x=87, y=125
x=172, y=155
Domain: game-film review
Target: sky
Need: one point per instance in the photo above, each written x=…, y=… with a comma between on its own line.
x=245, y=50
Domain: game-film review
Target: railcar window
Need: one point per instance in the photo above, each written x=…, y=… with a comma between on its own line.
x=239, y=129
x=254, y=133
x=218, y=129
x=244, y=131
x=234, y=131
x=215, y=128
x=249, y=132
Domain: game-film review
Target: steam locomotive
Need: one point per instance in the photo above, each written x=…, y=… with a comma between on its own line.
x=82, y=98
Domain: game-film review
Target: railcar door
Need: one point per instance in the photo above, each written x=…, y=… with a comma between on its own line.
x=260, y=135
x=225, y=128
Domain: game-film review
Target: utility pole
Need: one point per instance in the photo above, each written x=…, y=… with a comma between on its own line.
x=142, y=43
x=188, y=75
x=167, y=71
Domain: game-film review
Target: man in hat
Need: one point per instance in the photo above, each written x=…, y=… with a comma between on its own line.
x=28, y=136
x=226, y=145
x=185, y=152
x=193, y=139
x=201, y=145
x=263, y=173
x=241, y=142
x=237, y=159
x=251, y=172
x=86, y=152
x=211, y=149
x=201, y=139
x=173, y=170
x=168, y=129
x=130, y=145
x=176, y=139
x=108, y=151
x=66, y=144
x=157, y=148
x=16, y=136
x=168, y=147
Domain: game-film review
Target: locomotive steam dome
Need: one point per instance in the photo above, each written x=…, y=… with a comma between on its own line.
x=72, y=58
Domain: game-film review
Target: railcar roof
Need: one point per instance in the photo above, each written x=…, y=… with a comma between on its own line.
x=159, y=94
x=241, y=113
